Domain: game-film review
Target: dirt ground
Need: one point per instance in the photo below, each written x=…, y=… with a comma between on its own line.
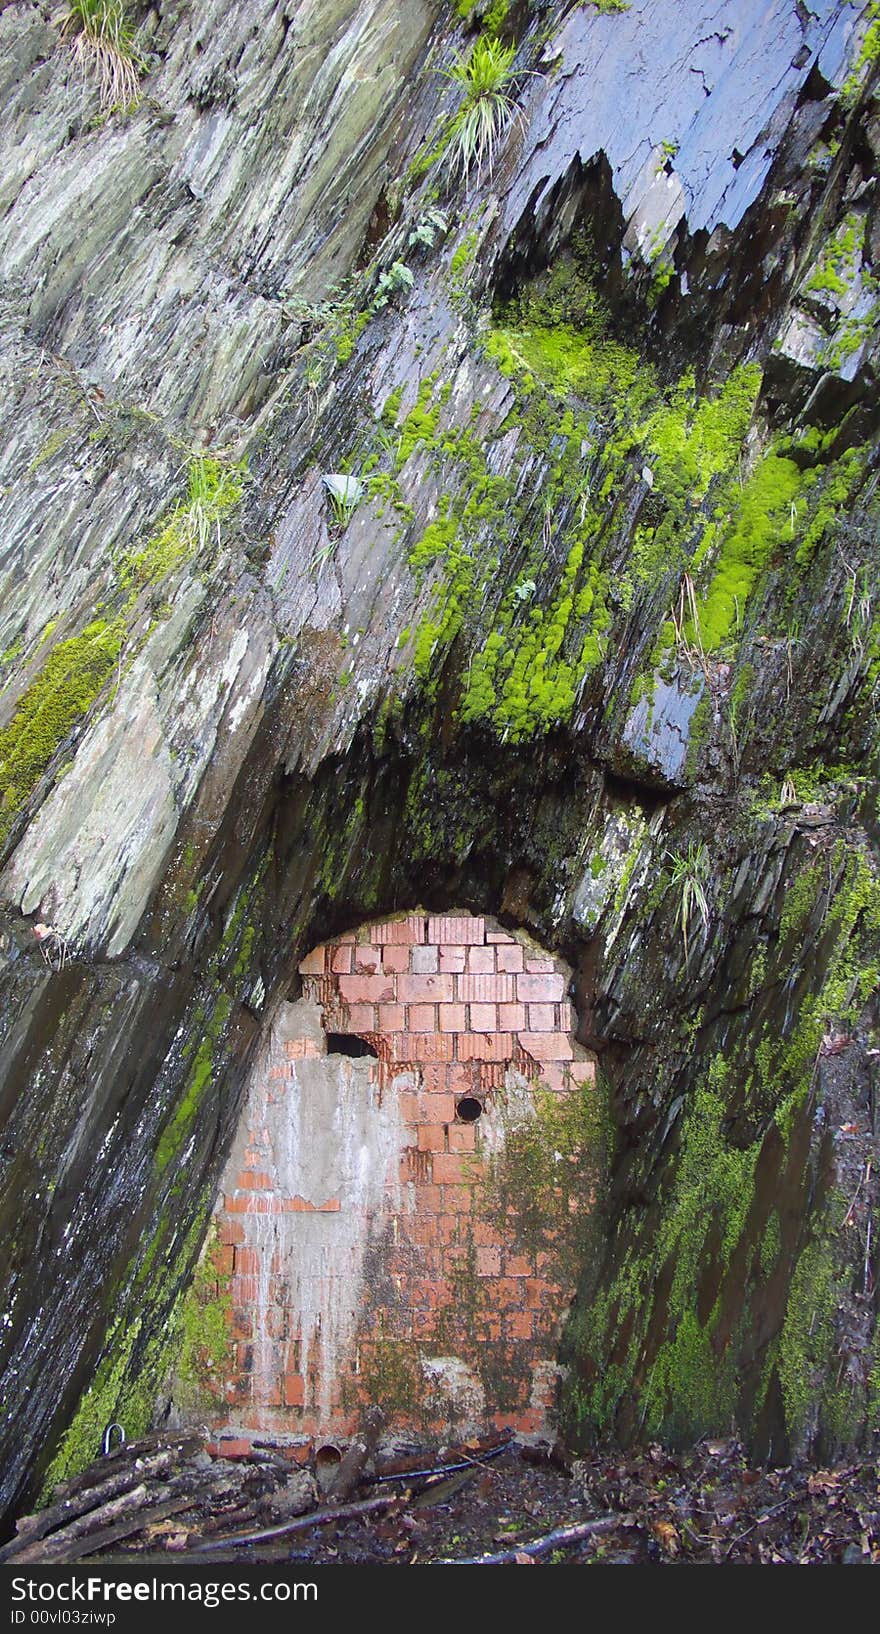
x=650, y=1506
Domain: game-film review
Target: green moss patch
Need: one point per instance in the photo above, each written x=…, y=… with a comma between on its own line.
x=65, y=690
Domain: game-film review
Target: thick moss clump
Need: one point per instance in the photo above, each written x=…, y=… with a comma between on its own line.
x=67, y=686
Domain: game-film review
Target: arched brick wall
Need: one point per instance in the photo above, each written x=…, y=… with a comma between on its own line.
x=378, y=1246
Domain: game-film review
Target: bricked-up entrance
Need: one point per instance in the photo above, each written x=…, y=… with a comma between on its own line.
x=394, y=1224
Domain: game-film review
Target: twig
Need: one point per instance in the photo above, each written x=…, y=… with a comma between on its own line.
x=796, y=1497
x=559, y=1539
x=445, y=1469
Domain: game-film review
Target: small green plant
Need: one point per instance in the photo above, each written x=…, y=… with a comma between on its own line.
x=103, y=42
x=486, y=77
x=214, y=489
x=689, y=877
x=394, y=279
x=430, y=223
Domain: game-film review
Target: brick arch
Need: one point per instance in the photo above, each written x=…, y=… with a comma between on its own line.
x=366, y=1253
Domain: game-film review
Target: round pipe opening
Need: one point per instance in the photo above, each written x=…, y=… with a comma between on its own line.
x=468, y=1109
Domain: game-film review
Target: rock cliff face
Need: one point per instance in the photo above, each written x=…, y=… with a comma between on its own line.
x=586, y=639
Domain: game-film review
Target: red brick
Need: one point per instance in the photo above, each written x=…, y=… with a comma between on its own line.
x=498, y=936
x=409, y=1105
x=432, y=1137
x=511, y=1017
x=449, y=1169
x=539, y=967
x=566, y=1017
x=451, y=1018
x=396, y=959
x=294, y=1390
x=254, y=1180
x=424, y=961
x=431, y=989
x=340, y=961
x=422, y=1018
x=481, y=961
x=361, y=1018
x=298, y=1049
x=582, y=1072
x=223, y=1259
x=368, y=959
x=424, y=1046
x=489, y=1261
x=241, y=1323
x=230, y=1447
x=367, y=989
x=462, y=1137
x=452, y=959
x=276, y=1321
x=486, y=989
x=250, y=1202
x=510, y=958
x=462, y=929
x=518, y=1265
x=459, y=1199
x=247, y=1262
x=244, y=1290
x=392, y=1018
x=313, y=963
x=415, y=1164
x=485, y=1046
x=554, y=1074
x=484, y=1018
x=540, y=989
x=547, y=1046
x=331, y=1205
x=542, y=1018
x=402, y=932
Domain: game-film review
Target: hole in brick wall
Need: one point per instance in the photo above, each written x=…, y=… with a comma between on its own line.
x=349, y=1044
x=468, y=1109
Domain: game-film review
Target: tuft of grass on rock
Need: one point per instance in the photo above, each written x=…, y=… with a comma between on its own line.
x=103, y=43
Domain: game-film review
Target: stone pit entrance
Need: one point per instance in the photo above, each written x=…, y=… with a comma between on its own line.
x=411, y=1174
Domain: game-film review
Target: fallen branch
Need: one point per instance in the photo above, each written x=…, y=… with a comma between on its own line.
x=352, y=1464
x=303, y=1523
x=474, y=1462
x=559, y=1539
x=82, y=1502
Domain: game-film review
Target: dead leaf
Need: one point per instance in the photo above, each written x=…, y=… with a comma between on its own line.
x=666, y=1536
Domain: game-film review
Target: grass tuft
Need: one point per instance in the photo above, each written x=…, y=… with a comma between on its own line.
x=485, y=76
x=102, y=41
